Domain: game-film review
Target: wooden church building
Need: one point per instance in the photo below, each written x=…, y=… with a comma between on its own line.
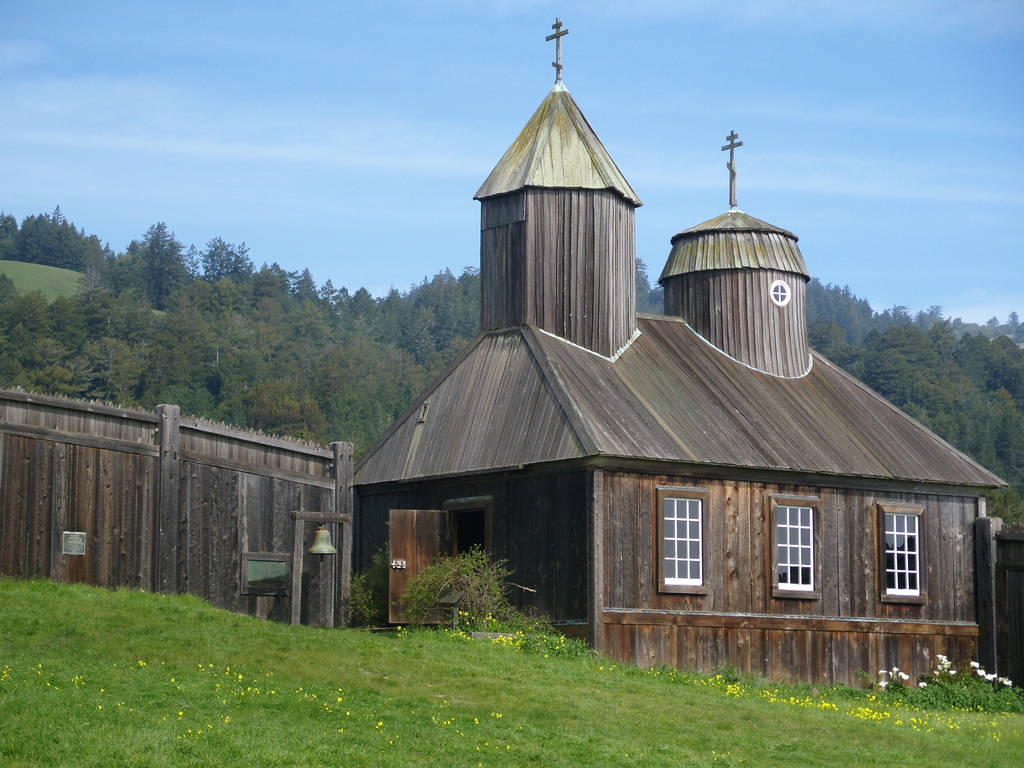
x=693, y=489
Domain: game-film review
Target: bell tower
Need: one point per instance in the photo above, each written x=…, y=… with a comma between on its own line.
x=557, y=240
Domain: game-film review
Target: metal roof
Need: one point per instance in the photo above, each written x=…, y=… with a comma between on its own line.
x=522, y=396
x=557, y=148
x=734, y=240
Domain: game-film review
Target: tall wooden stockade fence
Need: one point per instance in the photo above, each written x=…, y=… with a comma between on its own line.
x=157, y=501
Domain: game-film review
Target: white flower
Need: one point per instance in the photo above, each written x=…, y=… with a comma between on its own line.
x=991, y=677
x=882, y=684
x=904, y=675
x=1006, y=681
x=922, y=684
x=882, y=672
x=976, y=665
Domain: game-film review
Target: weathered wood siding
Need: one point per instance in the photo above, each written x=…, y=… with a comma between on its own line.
x=539, y=526
x=167, y=503
x=848, y=629
x=88, y=468
x=561, y=259
x=732, y=309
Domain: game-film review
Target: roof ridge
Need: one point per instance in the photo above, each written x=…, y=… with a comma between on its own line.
x=418, y=402
x=543, y=131
x=549, y=369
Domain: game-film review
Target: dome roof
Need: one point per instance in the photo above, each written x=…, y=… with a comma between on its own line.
x=557, y=148
x=734, y=240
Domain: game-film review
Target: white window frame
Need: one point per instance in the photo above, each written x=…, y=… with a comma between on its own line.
x=807, y=530
x=780, y=293
x=897, y=513
x=695, y=502
x=794, y=541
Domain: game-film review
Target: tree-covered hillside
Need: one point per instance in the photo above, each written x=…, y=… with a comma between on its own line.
x=270, y=349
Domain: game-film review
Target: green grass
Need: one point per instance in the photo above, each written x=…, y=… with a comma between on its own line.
x=95, y=678
x=50, y=281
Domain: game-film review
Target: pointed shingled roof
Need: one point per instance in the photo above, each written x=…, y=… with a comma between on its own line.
x=734, y=240
x=557, y=148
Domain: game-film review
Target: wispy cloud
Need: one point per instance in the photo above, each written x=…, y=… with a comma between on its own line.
x=16, y=54
x=985, y=18
x=147, y=119
x=837, y=175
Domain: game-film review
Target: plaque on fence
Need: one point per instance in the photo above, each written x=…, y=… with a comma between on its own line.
x=264, y=573
x=74, y=543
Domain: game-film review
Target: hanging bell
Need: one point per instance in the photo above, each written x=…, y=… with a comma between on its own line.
x=322, y=543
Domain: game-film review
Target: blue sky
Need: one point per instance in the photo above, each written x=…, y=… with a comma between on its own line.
x=350, y=137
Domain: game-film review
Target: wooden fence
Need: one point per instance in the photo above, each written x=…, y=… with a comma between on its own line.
x=1000, y=569
x=153, y=500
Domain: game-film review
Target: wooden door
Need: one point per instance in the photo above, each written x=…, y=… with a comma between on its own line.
x=417, y=537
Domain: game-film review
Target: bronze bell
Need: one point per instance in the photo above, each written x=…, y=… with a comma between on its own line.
x=322, y=543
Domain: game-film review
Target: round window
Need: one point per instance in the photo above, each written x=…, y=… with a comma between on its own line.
x=780, y=293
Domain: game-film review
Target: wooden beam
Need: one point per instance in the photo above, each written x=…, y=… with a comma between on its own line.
x=343, y=503
x=595, y=545
x=66, y=404
x=320, y=517
x=91, y=441
x=790, y=623
x=168, y=515
x=245, y=436
x=256, y=469
x=682, y=469
x=298, y=550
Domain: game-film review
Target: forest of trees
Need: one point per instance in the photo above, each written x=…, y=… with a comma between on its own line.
x=269, y=349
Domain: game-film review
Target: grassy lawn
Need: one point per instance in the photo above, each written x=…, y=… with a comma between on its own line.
x=50, y=281
x=94, y=678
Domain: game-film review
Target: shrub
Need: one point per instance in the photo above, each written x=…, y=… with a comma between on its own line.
x=484, y=604
x=368, y=593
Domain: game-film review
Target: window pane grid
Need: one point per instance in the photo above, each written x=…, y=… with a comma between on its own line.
x=795, y=547
x=902, y=566
x=682, y=542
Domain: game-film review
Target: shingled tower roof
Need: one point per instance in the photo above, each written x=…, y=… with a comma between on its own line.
x=734, y=240
x=557, y=149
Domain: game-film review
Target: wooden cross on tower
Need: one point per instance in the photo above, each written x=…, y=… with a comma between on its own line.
x=731, y=165
x=557, y=37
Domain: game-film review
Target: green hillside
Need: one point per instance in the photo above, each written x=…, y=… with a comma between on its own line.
x=50, y=281
x=96, y=678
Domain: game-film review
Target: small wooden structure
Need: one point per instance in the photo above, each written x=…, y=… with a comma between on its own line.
x=1000, y=561
x=115, y=497
x=695, y=489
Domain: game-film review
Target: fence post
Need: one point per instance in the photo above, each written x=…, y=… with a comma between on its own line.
x=343, y=505
x=985, y=530
x=168, y=523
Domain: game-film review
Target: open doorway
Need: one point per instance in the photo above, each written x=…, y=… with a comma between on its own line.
x=469, y=522
x=468, y=530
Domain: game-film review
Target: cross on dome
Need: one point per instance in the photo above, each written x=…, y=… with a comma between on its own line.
x=557, y=37
x=731, y=165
